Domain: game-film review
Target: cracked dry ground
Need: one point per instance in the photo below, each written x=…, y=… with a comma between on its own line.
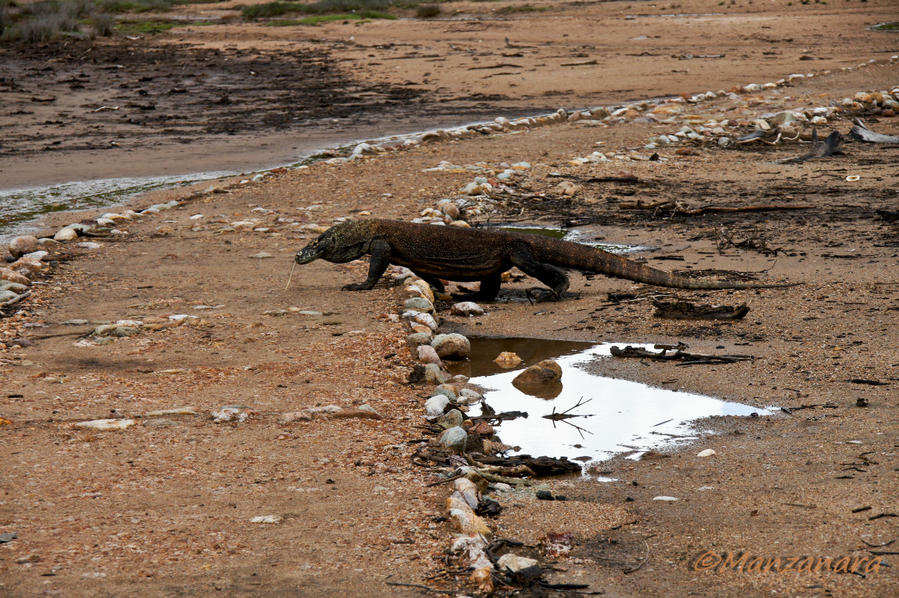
x=164, y=507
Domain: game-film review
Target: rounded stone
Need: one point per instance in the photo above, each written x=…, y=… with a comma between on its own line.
x=434, y=374
x=418, y=304
x=65, y=234
x=427, y=354
x=507, y=360
x=454, y=439
x=13, y=276
x=15, y=287
x=436, y=405
x=451, y=419
x=451, y=346
x=470, y=396
x=19, y=246
x=447, y=390
x=419, y=338
x=544, y=372
x=467, y=308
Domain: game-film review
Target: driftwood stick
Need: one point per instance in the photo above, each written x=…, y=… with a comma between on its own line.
x=676, y=355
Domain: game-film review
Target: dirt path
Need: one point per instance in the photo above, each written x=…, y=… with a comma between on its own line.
x=166, y=506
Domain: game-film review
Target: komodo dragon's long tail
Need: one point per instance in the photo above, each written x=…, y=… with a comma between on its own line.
x=591, y=259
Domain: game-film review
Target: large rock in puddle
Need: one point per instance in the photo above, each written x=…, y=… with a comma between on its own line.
x=543, y=379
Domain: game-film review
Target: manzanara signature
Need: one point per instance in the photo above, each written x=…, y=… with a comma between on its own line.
x=744, y=562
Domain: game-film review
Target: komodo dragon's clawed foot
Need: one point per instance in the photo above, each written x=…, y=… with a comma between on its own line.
x=541, y=295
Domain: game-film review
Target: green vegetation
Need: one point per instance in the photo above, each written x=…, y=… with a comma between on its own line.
x=44, y=20
x=891, y=26
x=143, y=27
x=319, y=19
x=367, y=9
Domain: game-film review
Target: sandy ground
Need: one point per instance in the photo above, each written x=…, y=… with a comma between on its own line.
x=164, y=507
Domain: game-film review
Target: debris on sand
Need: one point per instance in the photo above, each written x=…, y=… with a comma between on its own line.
x=863, y=133
x=685, y=310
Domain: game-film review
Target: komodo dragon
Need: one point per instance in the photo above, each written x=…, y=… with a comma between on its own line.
x=470, y=254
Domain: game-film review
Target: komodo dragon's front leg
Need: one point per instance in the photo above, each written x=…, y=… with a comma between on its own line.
x=555, y=278
x=377, y=265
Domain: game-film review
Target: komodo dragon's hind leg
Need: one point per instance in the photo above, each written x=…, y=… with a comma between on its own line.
x=555, y=278
x=489, y=288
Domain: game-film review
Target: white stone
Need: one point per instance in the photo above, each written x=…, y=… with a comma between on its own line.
x=435, y=406
x=65, y=234
x=105, y=425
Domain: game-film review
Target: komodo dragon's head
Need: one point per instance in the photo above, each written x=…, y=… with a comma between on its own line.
x=341, y=243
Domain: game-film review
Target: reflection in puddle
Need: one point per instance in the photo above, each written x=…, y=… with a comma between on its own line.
x=619, y=416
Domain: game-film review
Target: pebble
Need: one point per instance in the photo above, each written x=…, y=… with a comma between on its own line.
x=507, y=360
x=466, y=520
x=427, y=354
x=467, y=308
x=665, y=498
x=447, y=390
x=39, y=254
x=470, y=397
x=104, y=425
x=25, y=265
x=261, y=255
x=436, y=405
x=706, y=453
x=454, y=439
x=174, y=411
x=65, y=234
x=15, y=287
x=474, y=546
x=13, y=276
x=422, y=318
x=451, y=419
x=19, y=246
x=266, y=519
x=519, y=565
x=468, y=490
x=434, y=374
x=420, y=338
x=230, y=413
x=451, y=346
x=544, y=372
x=418, y=304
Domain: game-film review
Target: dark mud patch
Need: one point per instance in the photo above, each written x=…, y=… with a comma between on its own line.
x=122, y=93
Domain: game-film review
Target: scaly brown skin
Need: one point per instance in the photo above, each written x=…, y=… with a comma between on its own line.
x=468, y=254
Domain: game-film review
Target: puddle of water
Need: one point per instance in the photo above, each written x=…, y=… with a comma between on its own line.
x=18, y=206
x=624, y=416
